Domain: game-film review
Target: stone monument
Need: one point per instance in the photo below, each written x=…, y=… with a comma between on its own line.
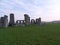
x=27, y=19
x=12, y=22
x=32, y=21
x=4, y=21
x=38, y=21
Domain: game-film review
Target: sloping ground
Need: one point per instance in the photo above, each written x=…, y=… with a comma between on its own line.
x=31, y=35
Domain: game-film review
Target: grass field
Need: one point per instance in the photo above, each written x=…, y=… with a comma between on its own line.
x=31, y=35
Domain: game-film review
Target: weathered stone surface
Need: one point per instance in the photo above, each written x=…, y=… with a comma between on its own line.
x=12, y=21
x=27, y=19
x=5, y=21
x=2, y=21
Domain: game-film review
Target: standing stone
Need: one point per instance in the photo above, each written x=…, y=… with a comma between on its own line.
x=20, y=23
x=12, y=22
x=27, y=19
x=32, y=21
x=38, y=21
x=2, y=22
x=5, y=21
x=17, y=23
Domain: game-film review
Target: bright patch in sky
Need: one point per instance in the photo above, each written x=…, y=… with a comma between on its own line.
x=48, y=10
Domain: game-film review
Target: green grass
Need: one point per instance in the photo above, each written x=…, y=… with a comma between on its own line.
x=31, y=35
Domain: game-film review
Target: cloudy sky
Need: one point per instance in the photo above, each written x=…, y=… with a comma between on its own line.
x=48, y=10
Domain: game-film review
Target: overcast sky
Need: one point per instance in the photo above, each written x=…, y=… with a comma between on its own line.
x=48, y=10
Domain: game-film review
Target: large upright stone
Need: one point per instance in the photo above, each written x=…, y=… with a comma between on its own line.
x=32, y=21
x=5, y=21
x=2, y=22
x=12, y=22
x=38, y=21
x=27, y=19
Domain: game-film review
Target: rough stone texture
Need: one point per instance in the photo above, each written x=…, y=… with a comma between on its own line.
x=27, y=19
x=12, y=22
